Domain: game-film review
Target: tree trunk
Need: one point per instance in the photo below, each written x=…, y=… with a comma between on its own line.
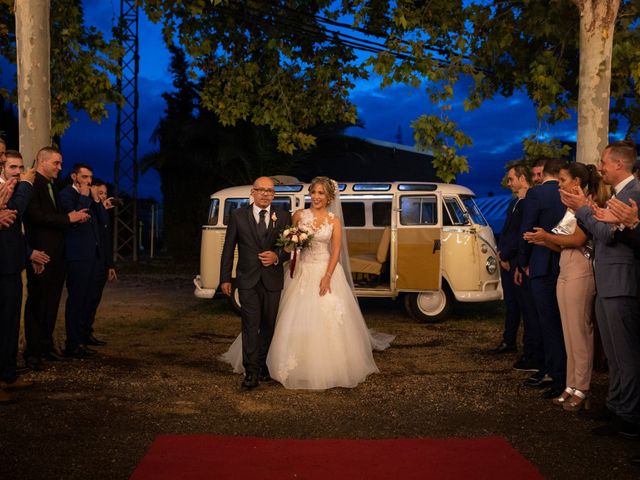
x=597, y=24
x=34, y=93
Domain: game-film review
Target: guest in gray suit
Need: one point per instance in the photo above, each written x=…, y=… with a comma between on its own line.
x=617, y=307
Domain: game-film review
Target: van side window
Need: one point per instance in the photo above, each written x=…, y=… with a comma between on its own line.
x=231, y=204
x=353, y=214
x=418, y=210
x=453, y=215
x=381, y=214
x=283, y=203
x=213, y=212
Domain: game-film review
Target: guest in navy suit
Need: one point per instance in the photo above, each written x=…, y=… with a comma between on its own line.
x=518, y=180
x=106, y=269
x=82, y=258
x=45, y=224
x=544, y=209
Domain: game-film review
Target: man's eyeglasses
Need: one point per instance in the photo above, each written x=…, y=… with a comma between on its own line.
x=265, y=191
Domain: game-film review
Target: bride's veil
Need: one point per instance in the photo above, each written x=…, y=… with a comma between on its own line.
x=335, y=207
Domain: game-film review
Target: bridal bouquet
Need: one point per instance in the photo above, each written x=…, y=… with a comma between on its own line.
x=292, y=240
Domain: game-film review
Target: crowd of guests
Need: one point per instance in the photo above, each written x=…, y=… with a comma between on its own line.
x=570, y=261
x=56, y=236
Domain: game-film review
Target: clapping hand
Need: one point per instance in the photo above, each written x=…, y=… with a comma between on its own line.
x=6, y=190
x=7, y=218
x=79, y=216
x=537, y=237
x=575, y=199
x=620, y=212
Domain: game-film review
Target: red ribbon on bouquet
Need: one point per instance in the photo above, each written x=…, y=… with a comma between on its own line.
x=292, y=263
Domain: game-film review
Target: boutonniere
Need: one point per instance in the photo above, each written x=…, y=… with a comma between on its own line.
x=274, y=219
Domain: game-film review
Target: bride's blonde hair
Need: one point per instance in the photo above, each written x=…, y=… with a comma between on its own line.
x=328, y=184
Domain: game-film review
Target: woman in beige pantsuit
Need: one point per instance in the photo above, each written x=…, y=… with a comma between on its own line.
x=576, y=286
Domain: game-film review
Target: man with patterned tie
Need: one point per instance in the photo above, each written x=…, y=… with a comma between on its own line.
x=259, y=276
x=45, y=225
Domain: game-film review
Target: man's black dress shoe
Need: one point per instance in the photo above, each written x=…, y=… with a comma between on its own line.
x=504, y=348
x=628, y=430
x=34, y=363
x=89, y=351
x=250, y=382
x=538, y=380
x=552, y=392
x=525, y=364
x=635, y=460
x=609, y=429
x=77, y=353
x=22, y=370
x=94, y=342
x=265, y=376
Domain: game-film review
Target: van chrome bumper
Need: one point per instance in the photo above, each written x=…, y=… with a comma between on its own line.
x=490, y=291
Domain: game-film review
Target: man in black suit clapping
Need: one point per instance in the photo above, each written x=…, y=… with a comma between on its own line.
x=45, y=224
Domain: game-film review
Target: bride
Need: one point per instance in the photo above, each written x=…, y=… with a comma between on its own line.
x=321, y=339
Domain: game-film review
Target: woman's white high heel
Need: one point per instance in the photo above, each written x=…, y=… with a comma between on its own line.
x=564, y=396
x=579, y=400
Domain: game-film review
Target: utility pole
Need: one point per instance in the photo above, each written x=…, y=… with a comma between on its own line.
x=125, y=235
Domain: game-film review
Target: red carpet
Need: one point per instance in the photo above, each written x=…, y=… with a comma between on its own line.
x=196, y=457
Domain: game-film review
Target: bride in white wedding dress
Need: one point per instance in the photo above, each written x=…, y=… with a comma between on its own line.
x=321, y=339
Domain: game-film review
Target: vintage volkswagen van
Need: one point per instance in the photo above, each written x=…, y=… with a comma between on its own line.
x=426, y=242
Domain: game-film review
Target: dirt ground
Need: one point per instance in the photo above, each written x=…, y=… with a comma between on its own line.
x=159, y=374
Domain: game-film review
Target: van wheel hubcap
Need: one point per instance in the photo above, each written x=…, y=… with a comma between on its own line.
x=432, y=303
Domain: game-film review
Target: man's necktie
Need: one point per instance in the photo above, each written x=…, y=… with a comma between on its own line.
x=262, y=225
x=53, y=198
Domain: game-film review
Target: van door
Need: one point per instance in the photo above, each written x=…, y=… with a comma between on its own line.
x=418, y=251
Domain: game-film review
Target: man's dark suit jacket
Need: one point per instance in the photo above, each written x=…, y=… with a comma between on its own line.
x=82, y=240
x=44, y=222
x=13, y=248
x=510, y=235
x=542, y=208
x=243, y=232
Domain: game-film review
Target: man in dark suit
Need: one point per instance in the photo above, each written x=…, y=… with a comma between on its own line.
x=106, y=267
x=45, y=225
x=541, y=265
x=617, y=308
x=13, y=254
x=82, y=257
x=507, y=249
x=518, y=299
x=259, y=276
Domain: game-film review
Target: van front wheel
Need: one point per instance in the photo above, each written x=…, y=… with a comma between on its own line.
x=429, y=307
x=234, y=299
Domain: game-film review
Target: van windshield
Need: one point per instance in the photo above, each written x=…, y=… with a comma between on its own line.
x=474, y=210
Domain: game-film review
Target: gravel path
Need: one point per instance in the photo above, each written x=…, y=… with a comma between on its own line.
x=94, y=419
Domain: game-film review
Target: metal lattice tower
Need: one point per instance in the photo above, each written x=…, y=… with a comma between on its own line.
x=125, y=238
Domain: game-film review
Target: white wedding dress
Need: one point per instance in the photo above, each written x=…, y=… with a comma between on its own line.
x=319, y=342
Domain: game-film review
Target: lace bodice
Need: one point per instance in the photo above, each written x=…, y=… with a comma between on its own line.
x=320, y=248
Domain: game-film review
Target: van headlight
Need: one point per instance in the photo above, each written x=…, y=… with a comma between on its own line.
x=491, y=265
